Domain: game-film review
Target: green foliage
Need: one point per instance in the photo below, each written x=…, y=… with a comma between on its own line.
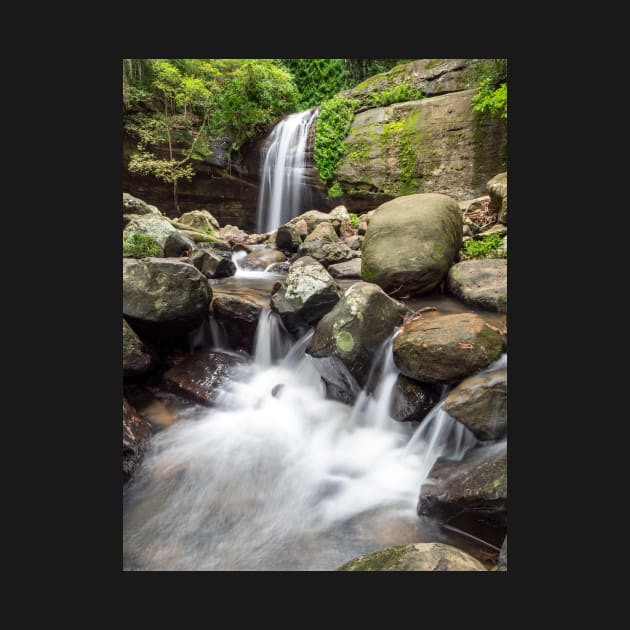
x=360, y=69
x=335, y=191
x=354, y=219
x=333, y=124
x=484, y=248
x=491, y=96
x=317, y=80
x=396, y=94
x=139, y=246
x=399, y=140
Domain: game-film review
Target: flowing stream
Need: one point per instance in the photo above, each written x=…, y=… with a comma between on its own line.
x=283, y=193
x=277, y=477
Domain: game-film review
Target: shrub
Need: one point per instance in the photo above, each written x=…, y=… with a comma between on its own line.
x=485, y=247
x=139, y=246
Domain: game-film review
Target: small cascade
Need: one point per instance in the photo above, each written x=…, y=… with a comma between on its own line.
x=271, y=342
x=201, y=337
x=217, y=336
x=283, y=193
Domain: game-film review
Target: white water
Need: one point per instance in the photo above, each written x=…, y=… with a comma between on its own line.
x=282, y=189
x=290, y=481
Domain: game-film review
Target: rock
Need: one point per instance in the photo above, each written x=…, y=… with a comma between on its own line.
x=162, y=295
x=312, y=218
x=339, y=214
x=202, y=376
x=288, y=238
x=324, y=231
x=327, y=253
x=136, y=433
x=301, y=226
x=412, y=401
x=137, y=358
x=155, y=226
x=238, y=316
x=277, y=390
x=503, y=556
x=356, y=244
x=480, y=403
x=212, y=264
x=497, y=228
x=199, y=219
x=231, y=233
x=261, y=258
x=415, y=557
x=133, y=205
x=281, y=267
x=481, y=283
x=348, y=269
x=362, y=228
x=176, y=244
x=420, y=146
x=466, y=230
x=306, y=295
x=411, y=242
x=438, y=348
x=347, y=339
x=220, y=247
x=497, y=189
x=476, y=485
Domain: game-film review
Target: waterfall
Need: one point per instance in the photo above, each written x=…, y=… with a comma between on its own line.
x=278, y=477
x=282, y=190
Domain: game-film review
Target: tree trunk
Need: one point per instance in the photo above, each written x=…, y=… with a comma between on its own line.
x=176, y=199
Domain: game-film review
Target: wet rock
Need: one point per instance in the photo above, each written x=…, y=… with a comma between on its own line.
x=411, y=400
x=480, y=403
x=415, y=557
x=260, y=259
x=277, y=389
x=411, y=242
x=347, y=339
x=327, y=253
x=136, y=433
x=238, y=316
x=202, y=376
x=137, y=358
x=177, y=244
x=348, y=269
x=288, y=238
x=213, y=264
x=306, y=295
x=476, y=486
x=281, y=267
x=438, y=348
x=480, y=283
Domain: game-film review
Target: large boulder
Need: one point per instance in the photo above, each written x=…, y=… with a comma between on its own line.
x=199, y=219
x=137, y=358
x=261, y=258
x=136, y=433
x=177, y=244
x=155, y=226
x=411, y=401
x=133, y=205
x=213, y=264
x=348, y=269
x=288, y=238
x=201, y=376
x=327, y=253
x=312, y=218
x=306, y=295
x=438, y=348
x=411, y=242
x=497, y=189
x=481, y=283
x=475, y=486
x=415, y=557
x=480, y=403
x=162, y=295
x=238, y=316
x=347, y=339
x=324, y=231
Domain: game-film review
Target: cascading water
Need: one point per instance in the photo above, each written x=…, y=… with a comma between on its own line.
x=282, y=189
x=277, y=477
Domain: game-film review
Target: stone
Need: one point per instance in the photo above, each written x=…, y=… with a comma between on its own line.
x=238, y=316
x=327, y=253
x=340, y=214
x=200, y=220
x=474, y=486
x=137, y=358
x=231, y=233
x=177, y=244
x=347, y=339
x=155, y=226
x=411, y=242
x=312, y=218
x=324, y=231
x=133, y=205
x=288, y=238
x=497, y=189
x=136, y=433
x=411, y=401
x=415, y=557
x=481, y=283
x=163, y=295
x=202, y=376
x=261, y=258
x=212, y=264
x=306, y=295
x=280, y=267
x=348, y=269
x=437, y=348
x=480, y=403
